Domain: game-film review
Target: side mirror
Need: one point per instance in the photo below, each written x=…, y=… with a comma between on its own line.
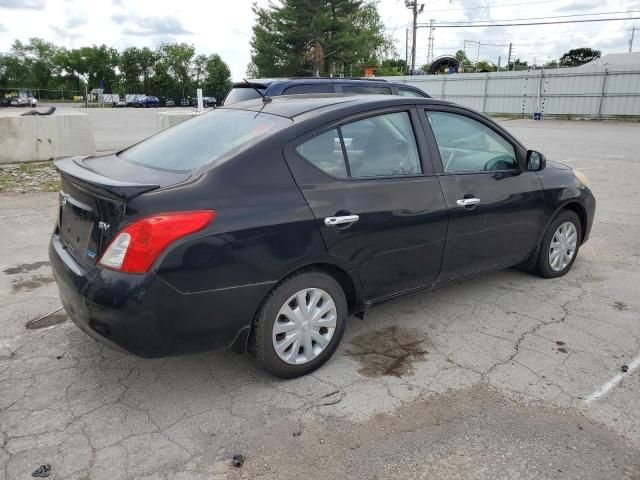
x=536, y=161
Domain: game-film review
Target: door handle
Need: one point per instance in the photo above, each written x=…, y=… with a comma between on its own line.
x=330, y=221
x=468, y=202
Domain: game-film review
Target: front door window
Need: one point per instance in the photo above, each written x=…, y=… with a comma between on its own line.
x=467, y=145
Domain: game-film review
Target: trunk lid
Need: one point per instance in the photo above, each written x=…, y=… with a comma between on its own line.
x=93, y=199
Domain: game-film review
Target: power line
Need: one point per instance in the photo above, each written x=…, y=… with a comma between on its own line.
x=495, y=44
x=492, y=6
x=540, y=18
x=482, y=25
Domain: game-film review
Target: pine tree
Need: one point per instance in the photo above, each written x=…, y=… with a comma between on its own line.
x=316, y=37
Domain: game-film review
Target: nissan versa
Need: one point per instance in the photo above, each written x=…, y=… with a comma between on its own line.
x=265, y=224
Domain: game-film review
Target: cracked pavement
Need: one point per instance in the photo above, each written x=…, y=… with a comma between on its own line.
x=484, y=379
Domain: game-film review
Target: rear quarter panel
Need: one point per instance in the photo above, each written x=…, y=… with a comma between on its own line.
x=263, y=228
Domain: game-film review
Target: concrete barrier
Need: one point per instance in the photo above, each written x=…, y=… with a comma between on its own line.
x=38, y=137
x=166, y=120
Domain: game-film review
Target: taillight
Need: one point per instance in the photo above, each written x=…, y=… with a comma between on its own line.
x=137, y=246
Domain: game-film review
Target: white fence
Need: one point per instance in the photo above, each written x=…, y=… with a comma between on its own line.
x=592, y=92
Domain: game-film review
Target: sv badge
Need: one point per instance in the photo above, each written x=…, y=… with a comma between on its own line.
x=103, y=226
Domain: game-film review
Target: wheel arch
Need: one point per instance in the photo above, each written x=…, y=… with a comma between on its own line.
x=581, y=212
x=347, y=278
x=571, y=205
x=578, y=208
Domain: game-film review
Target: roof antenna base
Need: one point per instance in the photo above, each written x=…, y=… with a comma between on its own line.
x=265, y=99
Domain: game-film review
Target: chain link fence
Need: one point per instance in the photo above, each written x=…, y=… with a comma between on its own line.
x=43, y=94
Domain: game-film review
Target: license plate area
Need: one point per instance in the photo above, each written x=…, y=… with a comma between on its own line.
x=76, y=225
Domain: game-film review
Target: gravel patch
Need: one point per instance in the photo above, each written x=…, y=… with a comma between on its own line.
x=29, y=178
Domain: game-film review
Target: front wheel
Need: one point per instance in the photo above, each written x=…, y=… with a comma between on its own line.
x=560, y=245
x=300, y=324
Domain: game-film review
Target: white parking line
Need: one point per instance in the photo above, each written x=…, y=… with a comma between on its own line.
x=606, y=388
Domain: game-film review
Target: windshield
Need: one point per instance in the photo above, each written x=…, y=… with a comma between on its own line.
x=207, y=139
x=240, y=94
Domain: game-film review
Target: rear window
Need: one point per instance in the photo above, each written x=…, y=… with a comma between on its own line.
x=208, y=139
x=240, y=94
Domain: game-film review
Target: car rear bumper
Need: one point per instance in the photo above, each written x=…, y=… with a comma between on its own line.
x=145, y=315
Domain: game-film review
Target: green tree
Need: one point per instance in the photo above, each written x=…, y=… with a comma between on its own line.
x=518, y=64
x=579, y=56
x=102, y=62
x=29, y=64
x=130, y=70
x=40, y=54
x=485, y=66
x=170, y=71
x=278, y=44
x=199, y=73
x=147, y=62
x=462, y=57
x=392, y=67
x=174, y=68
x=95, y=65
x=218, y=77
x=551, y=64
x=252, y=71
x=74, y=66
x=136, y=69
x=13, y=71
x=316, y=37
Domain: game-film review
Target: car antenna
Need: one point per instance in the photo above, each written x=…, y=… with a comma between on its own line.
x=265, y=98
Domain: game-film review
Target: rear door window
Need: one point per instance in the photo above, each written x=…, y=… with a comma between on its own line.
x=380, y=146
x=325, y=152
x=310, y=88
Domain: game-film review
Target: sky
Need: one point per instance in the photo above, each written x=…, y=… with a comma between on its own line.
x=224, y=26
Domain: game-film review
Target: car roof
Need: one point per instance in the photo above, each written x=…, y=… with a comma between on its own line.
x=292, y=106
x=295, y=80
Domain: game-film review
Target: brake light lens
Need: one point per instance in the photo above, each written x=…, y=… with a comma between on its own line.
x=138, y=245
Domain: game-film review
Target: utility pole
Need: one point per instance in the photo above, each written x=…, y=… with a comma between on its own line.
x=413, y=5
x=633, y=31
x=464, y=49
x=509, y=57
x=406, y=51
x=430, y=49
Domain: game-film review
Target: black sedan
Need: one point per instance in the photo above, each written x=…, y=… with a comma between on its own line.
x=266, y=224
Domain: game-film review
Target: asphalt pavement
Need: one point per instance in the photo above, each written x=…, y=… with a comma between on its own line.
x=503, y=376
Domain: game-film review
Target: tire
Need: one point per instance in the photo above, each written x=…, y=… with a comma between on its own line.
x=544, y=267
x=313, y=282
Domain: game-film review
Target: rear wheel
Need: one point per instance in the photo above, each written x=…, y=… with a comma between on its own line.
x=300, y=324
x=559, y=246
